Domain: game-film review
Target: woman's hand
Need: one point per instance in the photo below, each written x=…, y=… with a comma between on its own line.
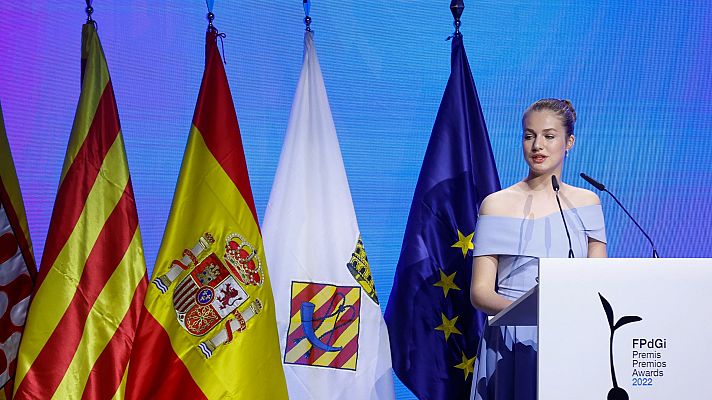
x=482, y=293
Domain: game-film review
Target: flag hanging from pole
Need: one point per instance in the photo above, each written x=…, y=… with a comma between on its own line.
x=92, y=277
x=17, y=266
x=333, y=337
x=429, y=307
x=208, y=325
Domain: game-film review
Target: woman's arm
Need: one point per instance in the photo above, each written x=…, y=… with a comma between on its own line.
x=596, y=249
x=482, y=293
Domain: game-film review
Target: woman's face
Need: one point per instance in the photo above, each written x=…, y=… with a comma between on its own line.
x=545, y=142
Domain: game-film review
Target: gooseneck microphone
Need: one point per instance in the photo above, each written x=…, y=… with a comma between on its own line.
x=598, y=185
x=555, y=185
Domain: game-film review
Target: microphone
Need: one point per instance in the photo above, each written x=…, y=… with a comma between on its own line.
x=555, y=185
x=598, y=185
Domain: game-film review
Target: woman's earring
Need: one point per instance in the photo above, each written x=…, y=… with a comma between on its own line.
x=567, y=153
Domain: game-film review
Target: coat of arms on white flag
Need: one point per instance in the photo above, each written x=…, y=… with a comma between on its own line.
x=333, y=337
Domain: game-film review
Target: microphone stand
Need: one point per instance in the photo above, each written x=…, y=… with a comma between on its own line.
x=555, y=185
x=601, y=187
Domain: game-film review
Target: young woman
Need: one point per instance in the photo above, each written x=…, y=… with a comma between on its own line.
x=516, y=227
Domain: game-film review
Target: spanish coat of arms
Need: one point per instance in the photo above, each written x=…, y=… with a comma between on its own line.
x=214, y=288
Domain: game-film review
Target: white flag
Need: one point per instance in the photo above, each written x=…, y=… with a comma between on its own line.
x=333, y=337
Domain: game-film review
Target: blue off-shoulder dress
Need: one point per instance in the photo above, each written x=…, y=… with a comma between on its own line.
x=505, y=368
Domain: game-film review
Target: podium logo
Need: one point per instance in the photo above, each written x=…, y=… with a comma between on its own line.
x=616, y=392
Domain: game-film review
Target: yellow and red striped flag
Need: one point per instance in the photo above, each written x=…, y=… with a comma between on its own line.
x=92, y=277
x=17, y=266
x=208, y=329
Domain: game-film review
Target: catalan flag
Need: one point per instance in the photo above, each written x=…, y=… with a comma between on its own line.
x=92, y=277
x=208, y=328
x=17, y=266
x=333, y=336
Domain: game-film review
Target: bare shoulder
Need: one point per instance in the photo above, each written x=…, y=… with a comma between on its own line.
x=581, y=197
x=501, y=202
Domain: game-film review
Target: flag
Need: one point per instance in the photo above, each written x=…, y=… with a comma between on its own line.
x=208, y=326
x=332, y=335
x=17, y=266
x=92, y=278
x=433, y=327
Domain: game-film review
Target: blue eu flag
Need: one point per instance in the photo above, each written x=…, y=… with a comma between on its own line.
x=433, y=328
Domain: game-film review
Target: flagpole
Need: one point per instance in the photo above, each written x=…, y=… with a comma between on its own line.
x=211, y=17
x=307, y=18
x=89, y=10
x=456, y=8
x=212, y=28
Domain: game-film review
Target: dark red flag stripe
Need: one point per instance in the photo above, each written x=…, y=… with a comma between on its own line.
x=105, y=256
x=79, y=179
x=214, y=115
x=320, y=312
x=345, y=354
x=105, y=376
x=306, y=294
x=21, y=287
x=156, y=371
x=8, y=247
x=17, y=230
x=316, y=352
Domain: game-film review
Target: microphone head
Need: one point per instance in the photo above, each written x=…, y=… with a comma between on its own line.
x=555, y=183
x=598, y=185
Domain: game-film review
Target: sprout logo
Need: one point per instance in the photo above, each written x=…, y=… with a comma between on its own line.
x=616, y=392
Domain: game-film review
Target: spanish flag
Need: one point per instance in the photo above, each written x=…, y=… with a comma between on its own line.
x=208, y=329
x=17, y=266
x=92, y=278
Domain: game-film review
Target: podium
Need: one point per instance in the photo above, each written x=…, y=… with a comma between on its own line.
x=657, y=345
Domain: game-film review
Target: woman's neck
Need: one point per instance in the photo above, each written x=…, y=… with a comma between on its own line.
x=537, y=183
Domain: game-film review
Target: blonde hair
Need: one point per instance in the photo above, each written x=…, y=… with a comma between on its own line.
x=561, y=107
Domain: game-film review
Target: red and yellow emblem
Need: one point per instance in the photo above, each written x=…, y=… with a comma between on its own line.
x=213, y=290
x=324, y=325
x=207, y=295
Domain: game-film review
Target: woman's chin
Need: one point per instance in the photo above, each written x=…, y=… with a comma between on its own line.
x=545, y=168
x=539, y=170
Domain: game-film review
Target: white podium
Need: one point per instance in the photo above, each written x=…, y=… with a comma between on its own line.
x=661, y=345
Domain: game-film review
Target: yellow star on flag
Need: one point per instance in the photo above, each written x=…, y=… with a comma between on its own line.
x=467, y=365
x=448, y=326
x=447, y=282
x=464, y=242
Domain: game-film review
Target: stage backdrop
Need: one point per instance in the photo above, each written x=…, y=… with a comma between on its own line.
x=637, y=72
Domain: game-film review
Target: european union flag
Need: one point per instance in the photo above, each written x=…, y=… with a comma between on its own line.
x=433, y=328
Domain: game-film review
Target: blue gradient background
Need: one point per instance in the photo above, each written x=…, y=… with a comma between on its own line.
x=638, y=73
